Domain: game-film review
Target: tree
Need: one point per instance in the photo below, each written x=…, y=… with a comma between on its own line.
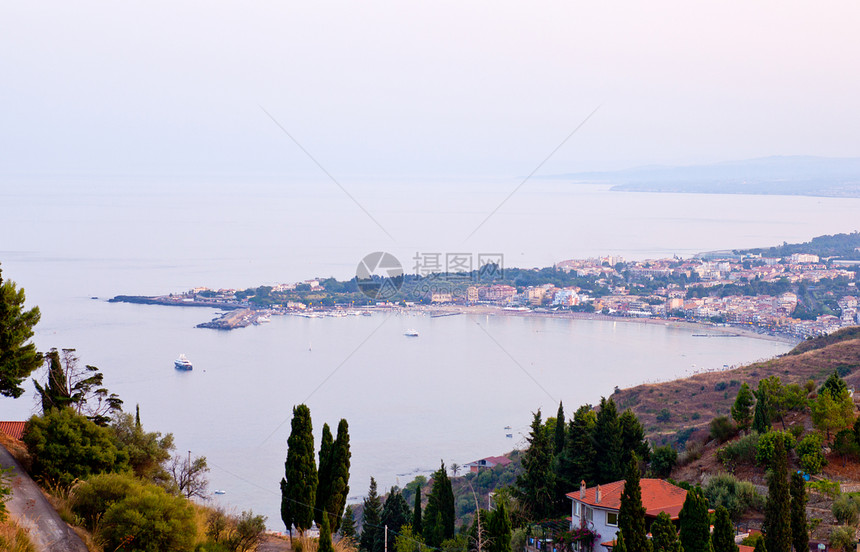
x=777, y=517
x=347, y=524
x=416, y=513
x=632, y=440
x=340, y=464
x=607, y=444
x=80, y=388
x=395, y=511
x=67, y=446
x=499, y=530
x=147, y=451
x=558, y=440
x=371, y=526
x=742, y=408
x=189, y=475
x=832, y=410
x=631, y=515
x=799, y=528
x=834, y=384
x=723, y=539
x=536, y=486
x=576, y=461
x=324, y=474
x=18, y=356
x=151, y=520
x=695, y=527
x=325, y=544
x=438, y=520
x=663, y=460
x=299, y=487
x=760, y=545
x=664, y=535
x=761, y=419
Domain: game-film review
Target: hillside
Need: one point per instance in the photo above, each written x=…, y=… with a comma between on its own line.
x=692, y=402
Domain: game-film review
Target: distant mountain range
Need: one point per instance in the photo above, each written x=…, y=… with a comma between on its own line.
x=783, y=175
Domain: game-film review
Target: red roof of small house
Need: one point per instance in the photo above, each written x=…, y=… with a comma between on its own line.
x=657, y=496
x=743, y=548
x=495, y=460
x=13, y=429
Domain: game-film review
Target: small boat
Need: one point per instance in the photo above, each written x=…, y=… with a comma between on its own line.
x=411, y=333
x=507, y=427
x=220, y=492
x=182, y=363
x=509, y=435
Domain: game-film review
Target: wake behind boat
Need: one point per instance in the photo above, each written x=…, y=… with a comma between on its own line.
x=182, y=363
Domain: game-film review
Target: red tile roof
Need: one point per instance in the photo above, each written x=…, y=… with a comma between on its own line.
x=657, y=496
x=13, y=429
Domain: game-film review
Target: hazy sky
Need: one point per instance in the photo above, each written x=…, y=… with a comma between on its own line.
x=421, y=88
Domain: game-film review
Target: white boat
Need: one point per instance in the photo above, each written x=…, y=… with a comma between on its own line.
x=411, y=333
x=182, y=363
x=220, y=492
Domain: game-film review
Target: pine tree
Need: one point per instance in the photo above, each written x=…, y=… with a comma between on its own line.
x=438, y=522
x=395, y=511
x=371, y=526
x=298, y=488
x=631, y=515
x=499, y=530
x=536, y=485
x=340, y=464
x=18, y=357
x=799, y=530
x=55, y=394
x=742, y=408
x=695, y=526
x=761, y=420
x=558, y=441
x=325, y=544
x=576, y=461
x=607, y=444
x=664, y=535
x=723, y=539
x=416, y=513
x=347, y=524
x=777, y=516
x=633, y=438
x=324, y=474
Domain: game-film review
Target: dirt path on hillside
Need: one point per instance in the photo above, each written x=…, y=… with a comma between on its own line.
x=48, y=532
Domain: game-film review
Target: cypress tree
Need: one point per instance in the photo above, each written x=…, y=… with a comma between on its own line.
x=723, y=539
x=799, y=530
x=347, y=524
x=576, y=461
x=340, y=463
x=607, y=444
x=777, y=515
x=761, y=419
x=631, y=515
x=298, y=488
x=632, y=438
x=560, y=428
x=536, y=485
x=371, y=526
x=695, y=526
x=759, y=545
x=742, y=408
x=325, y=544
x=620, y=544
x=137, y=416
x=664, y=535
x=499, y=532
x=416, y=513
x=395, y=511
x=324, y=474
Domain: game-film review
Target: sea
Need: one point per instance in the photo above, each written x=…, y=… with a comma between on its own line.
x=466, y=388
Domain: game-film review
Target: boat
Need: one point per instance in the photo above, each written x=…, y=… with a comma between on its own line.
x=182, y=363
x=411, y=333
x=220, y=492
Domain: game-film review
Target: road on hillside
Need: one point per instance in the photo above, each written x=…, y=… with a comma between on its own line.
x=32, y=511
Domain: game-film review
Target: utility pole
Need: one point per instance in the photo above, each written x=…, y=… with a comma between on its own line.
x=386, y=538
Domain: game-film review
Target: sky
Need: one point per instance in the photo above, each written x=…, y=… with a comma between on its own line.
x=421, y=89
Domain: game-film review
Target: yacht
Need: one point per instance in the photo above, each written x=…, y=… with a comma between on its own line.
x=411, y=333
x=182, y=363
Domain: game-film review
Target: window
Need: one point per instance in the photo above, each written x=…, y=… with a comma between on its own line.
x=575, y=508
x=589, y=513
x=612, y=518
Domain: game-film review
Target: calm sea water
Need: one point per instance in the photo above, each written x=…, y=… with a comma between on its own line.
x=410, y=402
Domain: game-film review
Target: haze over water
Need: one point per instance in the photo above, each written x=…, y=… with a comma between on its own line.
x=410, y=402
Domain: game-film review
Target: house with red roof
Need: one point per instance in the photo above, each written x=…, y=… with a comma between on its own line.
x=597, y=507
x=14, y=430
x=488, y=462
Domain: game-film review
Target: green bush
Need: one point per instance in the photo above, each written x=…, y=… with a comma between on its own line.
x=842, y=538
x=722, y=429
x=846, y=509
x=664, y=415
x=825, y=486
x=92, y=498
x=742, y=451
x=796, y=431
x=153, y=519
x=736, y=496
x=810, y=453
x=663, y=460
x=67, y=446
x=767, y=446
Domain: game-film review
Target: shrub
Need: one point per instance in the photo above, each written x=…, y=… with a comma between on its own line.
x=736, y=496
x=810, y=454
x=721, y=386
x=68, y=446
x=663, y=460
x=722, y=429
x=796, y=431
x=846, y=509
x=846, y=443
x=156, y=520
x=742, y=451
x=825, y=486
x=692, y=452
x=664, y=415
x=842, y=538
x=767, y=446
x=92, y=498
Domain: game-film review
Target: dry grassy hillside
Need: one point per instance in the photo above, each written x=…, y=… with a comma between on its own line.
x=692, y=402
